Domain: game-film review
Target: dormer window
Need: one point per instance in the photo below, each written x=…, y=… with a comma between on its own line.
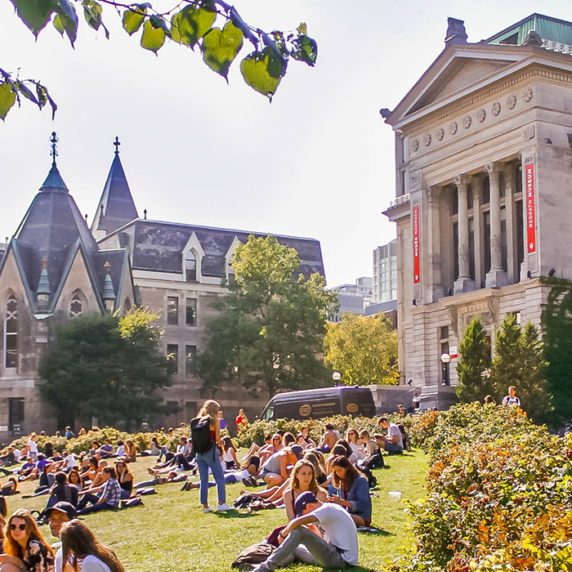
x=190, y=267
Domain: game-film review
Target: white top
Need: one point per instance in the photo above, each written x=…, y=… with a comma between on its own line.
x=227, y=456
x=357, y=450
x=93, y=564
x=32, y=446
x=59, y=558
x=121, y=451
x=512, y=401
x=17, y=454
x=339, y=530
x=394, y=430
x=70, y=461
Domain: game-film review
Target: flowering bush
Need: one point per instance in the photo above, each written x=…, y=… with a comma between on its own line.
x=499, y=493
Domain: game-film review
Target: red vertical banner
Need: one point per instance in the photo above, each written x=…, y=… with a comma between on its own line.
x=530, y=209
x=416, y=253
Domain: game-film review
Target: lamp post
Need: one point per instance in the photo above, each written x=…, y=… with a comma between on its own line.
x=336, y=376
x=445, y=360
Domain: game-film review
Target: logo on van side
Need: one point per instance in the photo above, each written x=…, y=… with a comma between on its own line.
x=305, y=410
x=352, y=407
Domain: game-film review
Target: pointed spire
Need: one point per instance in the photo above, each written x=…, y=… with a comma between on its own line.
x=108, y=290
x=44, y=283
x=54, y=181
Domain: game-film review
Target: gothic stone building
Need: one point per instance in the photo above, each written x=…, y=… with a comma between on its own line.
x=56, y=268
x=484, y=190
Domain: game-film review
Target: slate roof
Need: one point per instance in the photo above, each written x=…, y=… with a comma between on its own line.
x=158, y=246
x=116, y=200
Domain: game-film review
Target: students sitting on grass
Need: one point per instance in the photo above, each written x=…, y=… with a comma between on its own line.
x=57, y=516
x=393, y=441
x=304, y=439
x=109, y=497
x=62, y=491
x=329, y=439
x=229, y=460
x=230, y=478
x=317, y=459
x=10, y=487
x=85, y=552
x=75, y=479
x=275, y=469
x=337, y=549
x=125, y=479
x=106, y=450
x=130, y=452
x=303, y=479
x=256, y=449
x=24, y=545
x=373, y=459
x=352, y=491
x=171, y=477
x=356, y=445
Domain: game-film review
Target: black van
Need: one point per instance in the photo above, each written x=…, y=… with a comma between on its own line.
x=316, y=403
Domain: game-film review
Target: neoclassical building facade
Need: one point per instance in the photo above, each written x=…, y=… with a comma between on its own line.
x=57, y=268
x=484, y=190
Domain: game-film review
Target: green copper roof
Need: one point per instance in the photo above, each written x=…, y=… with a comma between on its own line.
x=549, y=29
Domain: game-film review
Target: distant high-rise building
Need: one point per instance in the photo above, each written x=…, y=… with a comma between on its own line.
x=385, y=272
x=353, y=298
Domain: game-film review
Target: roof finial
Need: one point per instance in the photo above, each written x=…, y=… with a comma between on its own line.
x=145, y=214
x=117, y=143
x=54, y=152
x=107, y=267
x=44, y=263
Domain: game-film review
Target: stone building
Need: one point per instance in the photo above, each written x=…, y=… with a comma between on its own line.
x=55, y=268
x=484, y=190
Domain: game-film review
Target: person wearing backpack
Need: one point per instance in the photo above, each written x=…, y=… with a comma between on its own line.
x=205, y=433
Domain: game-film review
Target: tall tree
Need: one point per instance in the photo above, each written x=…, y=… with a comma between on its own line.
x=473, y=367
x=363, y=349
x=191, y=23
x=270, y=329
x=507, y=364
x=557, y=329
x=107, y=367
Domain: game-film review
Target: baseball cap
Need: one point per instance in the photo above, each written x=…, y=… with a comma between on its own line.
x=298, y=451
x=63, y=507
x=304, y=500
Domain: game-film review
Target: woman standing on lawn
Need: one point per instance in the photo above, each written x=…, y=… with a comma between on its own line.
x=85, y=552
x=24, y=545
x=211, y=459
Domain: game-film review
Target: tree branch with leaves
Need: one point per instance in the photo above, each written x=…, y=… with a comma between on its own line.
x=213, y=25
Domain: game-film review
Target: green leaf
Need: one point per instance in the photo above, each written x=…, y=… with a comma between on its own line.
x=58, y=25
x=302, y=29
x=23, y=89
x=306, y=50
x=68, y=19
x=152, y=38
x=92, y=12
x=133, y=19
x=35, y=13
x=191, y=24
x=262, y=71
x=7, y=99
x=220, y=48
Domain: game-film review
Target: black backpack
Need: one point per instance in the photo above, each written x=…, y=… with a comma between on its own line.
x=201, y=434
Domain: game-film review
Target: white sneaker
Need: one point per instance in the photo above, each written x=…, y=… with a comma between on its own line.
x=223, y=507
x=207, y=509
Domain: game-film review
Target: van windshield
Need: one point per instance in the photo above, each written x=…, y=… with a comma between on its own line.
x=269, y=413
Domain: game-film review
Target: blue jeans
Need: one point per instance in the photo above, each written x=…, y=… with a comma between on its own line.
x=211, y=460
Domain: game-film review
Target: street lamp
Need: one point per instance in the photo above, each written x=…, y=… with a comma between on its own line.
x=445, y=360
x=336, y=376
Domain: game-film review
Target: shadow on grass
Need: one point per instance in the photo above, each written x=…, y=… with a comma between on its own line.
x=235, y=514
x=356, y=569
x=377, y=532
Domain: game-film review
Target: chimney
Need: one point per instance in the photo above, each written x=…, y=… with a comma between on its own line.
x=456, y=33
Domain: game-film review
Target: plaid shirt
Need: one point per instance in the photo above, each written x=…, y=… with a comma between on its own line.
x=112, y=492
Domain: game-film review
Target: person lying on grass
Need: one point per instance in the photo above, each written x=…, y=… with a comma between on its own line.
x=172, y=477
x=232, y=477
x=337, y=549
x=276, y=469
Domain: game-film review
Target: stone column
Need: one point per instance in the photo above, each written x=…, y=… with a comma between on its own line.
x=508, y=174
x=463, y=282
x=496, y=277
x=477, y=184
x=435, y=288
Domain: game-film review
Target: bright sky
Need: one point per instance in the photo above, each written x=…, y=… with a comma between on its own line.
x=317, y=162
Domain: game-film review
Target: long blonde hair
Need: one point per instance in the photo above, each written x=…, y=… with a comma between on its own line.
x=11, y=546
x=313, y=487
x=79, y=541
x=210, y=408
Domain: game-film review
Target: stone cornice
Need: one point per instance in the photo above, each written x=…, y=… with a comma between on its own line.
x=473, y=100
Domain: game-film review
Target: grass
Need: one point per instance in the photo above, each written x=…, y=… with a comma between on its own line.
x=170, y=533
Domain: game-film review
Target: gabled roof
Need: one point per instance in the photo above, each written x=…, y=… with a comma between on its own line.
x=116, y=207
x=549, y=29
x=159, y=246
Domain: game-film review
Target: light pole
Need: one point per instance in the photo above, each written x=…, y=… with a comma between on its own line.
x=336, y=376
x=445, y=360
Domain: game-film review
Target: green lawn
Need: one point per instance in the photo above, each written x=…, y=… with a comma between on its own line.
x=171, y=533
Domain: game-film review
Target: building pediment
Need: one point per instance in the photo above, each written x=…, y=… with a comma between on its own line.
x=459, y=70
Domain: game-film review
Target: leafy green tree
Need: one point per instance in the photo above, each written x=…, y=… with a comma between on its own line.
x=108, y=367
x=473, y=368
x=557, y=330
x=507, y=364
x=270, y=329
x=213, y=25
x=363, y=349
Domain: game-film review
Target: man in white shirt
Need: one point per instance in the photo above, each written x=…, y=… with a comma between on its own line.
x=511, y=399
x=393, y=442
x=337, y=549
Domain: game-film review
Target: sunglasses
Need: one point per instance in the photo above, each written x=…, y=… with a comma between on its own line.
x=18, y=526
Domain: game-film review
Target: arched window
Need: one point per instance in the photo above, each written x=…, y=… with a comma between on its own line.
x=11, y=333
x=190, y=267
x=127, y=306
x=76, y=307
